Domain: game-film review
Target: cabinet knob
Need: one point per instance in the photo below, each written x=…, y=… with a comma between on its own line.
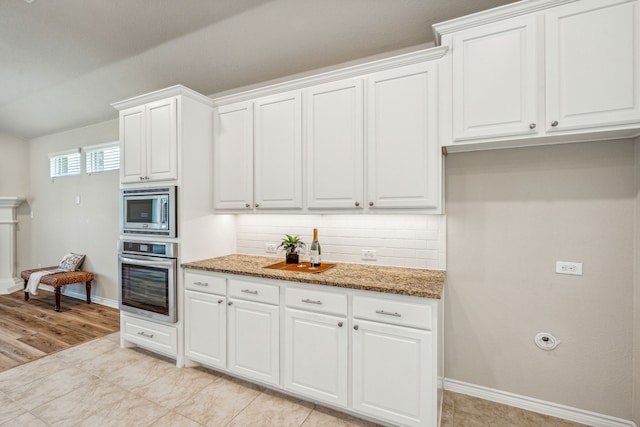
x=357, y=204
x=230, y=302
x=532, y=125
x=142, y=178
x=247, y=205
x=257, y=205
x=554, y=123
x=356, y=327
x=340, y=324
x=370, y=203
x=220, y=301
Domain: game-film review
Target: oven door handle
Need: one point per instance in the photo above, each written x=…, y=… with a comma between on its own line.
x=146, y=261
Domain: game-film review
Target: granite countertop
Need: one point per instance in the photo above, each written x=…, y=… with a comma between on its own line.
x=394, y=280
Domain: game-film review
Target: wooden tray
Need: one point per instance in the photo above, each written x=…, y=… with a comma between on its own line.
x=303, y=267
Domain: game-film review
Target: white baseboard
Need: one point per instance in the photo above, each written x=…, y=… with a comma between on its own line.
x=536, y=405
x=83, y=296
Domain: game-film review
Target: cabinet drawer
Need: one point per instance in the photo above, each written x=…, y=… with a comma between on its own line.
x=162, y=338
x=205, y=283
x=253, y=291
x=394, y=312
x=311, y=299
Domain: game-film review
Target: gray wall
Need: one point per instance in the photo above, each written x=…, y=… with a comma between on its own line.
x=636, y=323
x=511, y=215
x=14, y=181
x=60, y=225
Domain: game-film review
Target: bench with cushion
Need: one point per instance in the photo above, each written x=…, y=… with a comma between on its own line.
x=58, y=280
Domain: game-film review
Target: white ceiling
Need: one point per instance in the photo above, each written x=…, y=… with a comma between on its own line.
x=63, y=62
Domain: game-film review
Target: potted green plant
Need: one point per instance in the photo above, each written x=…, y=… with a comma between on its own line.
x=291, y=245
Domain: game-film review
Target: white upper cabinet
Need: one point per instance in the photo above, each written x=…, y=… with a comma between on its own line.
x=495, y=80
x=278, y=151
x=593, y=75
x=132, y=146
x=403, y=151
x=233, y=156
x=545, y=71
x=334, y=145
x=358, y=139
x=162, y=136
x=161, y=131
x=148, y=139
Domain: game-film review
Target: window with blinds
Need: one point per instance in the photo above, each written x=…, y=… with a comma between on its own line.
x=64, y=163
x=103, y=157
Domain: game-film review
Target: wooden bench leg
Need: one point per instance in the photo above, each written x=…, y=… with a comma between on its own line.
x=26, y=294
x=57, y=292
x=88, y=286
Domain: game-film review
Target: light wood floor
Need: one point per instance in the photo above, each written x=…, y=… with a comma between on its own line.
x=31, y=330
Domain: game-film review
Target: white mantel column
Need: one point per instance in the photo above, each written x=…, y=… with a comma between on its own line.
x=9, y=280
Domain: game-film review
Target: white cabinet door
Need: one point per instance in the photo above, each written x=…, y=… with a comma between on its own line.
x=233, y=156
x=149, y=142
x=316, y=356
x=334, y=145
x=593, y=74
x=495, y=80
x=205, y=328
x=132, y=145
x=278, y=151
x=404, y=158
x=254, y=340
x=392, y=375
x=162, y=137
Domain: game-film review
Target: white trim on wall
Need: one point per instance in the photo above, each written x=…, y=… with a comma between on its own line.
x=536, y=405
x=82, y=295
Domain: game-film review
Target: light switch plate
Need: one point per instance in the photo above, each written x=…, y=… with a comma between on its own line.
x=569, y=267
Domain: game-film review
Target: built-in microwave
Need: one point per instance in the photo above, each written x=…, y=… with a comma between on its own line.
x=149, y=211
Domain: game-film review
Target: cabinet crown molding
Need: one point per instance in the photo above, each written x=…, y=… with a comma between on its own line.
x=162, y=94
x=343, y=73
x=493, y=15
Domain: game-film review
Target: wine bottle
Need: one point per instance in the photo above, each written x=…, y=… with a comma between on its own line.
x=314, y=250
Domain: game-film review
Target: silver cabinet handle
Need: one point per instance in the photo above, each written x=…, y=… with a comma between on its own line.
x=370, y=203
x=387, y=313
x=357, y=204
x=201, y=283
x=249, y=291
x=554, y=123
x=356, y=327
x=309, y=301
x=532, y=125
x=220, y=301
x=340, y=324
x=145, y=335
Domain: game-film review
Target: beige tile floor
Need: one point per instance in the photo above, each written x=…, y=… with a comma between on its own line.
x=100, y=384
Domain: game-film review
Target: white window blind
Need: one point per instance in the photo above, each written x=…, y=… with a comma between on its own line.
x=64, y=163
x=103, y=157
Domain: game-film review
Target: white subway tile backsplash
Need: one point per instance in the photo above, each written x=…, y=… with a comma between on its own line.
x=415, y=241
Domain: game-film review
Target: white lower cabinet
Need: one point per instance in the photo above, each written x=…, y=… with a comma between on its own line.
x=370, y=354
x=392, y=378
x=206, y=328
x=254, y=340
x=161, y=338
x=316, y=355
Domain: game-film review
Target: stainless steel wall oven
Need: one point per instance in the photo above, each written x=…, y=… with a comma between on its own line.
x=147, y=279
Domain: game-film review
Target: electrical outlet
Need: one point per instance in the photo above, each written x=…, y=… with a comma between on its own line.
x=567, y=267
x=272, y=248
x=368, y=254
